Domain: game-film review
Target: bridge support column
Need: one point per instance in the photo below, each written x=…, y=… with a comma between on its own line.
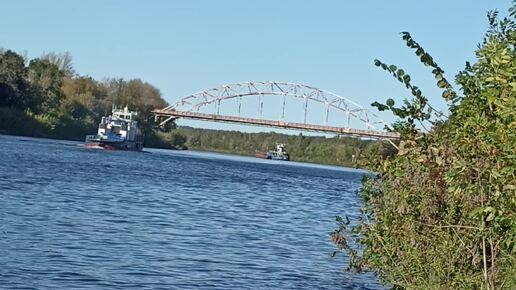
x=239, y=105
x=260, y=105
x=306, y=107
x=166, y=120
x=327, y=113
x=283, y=110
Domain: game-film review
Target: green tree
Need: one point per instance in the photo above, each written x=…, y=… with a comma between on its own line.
x=441, y=214
x=85, y=97
x=14, y=87
x=47, y=81
x=177, y=140
x=134, y=93
x=62, y=60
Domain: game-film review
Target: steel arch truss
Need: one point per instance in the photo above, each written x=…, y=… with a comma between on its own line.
x=259, y=89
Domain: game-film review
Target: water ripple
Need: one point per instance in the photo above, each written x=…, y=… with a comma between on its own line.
x=74, y=218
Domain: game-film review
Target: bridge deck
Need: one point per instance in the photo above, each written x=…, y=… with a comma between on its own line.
x=277, y=124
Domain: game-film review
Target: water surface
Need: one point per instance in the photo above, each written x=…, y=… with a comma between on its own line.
x=76, y=218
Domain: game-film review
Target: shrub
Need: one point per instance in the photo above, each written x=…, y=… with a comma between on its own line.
x=441, y=214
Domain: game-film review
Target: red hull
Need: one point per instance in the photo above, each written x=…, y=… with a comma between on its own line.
x=262, y=155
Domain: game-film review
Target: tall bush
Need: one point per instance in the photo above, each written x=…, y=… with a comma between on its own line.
x=441, y=214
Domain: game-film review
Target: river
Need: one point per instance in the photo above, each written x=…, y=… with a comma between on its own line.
x=76, y=218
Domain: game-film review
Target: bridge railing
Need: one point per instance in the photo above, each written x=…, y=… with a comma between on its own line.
x=172, y=114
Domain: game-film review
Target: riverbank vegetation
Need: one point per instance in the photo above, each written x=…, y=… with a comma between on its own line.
x=45, y=97
x=441, y=214
x=314, y=149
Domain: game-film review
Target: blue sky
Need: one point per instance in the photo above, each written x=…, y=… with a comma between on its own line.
x=183, y=47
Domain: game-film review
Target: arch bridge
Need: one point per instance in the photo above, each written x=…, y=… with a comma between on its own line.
x=195, y=105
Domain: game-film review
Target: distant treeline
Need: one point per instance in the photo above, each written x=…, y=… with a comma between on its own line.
x=316, y=149
x=45, y=97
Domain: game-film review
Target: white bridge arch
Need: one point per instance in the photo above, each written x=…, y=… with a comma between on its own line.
x=189, y=105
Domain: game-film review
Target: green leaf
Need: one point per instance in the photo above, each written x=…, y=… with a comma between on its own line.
x=426, y=59
x=381, y=107
x=442, y=84
x=390, y=102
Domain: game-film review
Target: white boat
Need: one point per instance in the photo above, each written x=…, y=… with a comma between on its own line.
x=119, y=131
x=280, y=153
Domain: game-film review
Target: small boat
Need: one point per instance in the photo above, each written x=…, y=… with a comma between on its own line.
x=119, y=131
x=280, y=153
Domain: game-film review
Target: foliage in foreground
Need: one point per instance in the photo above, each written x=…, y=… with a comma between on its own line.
x=441, y=214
